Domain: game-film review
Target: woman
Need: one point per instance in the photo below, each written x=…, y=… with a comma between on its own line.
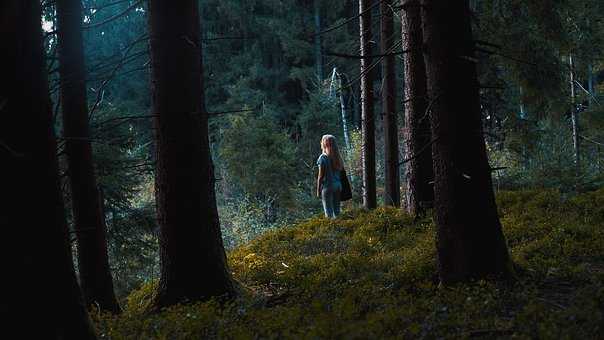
x=329, y=183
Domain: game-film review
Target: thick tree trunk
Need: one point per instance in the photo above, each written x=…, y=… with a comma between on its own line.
x=392, y=190
x=367, y=109
x=418, y=172
x=318, y=43
x=193, y=261
x=470, y=242
x=36, y=255
x=89, y=221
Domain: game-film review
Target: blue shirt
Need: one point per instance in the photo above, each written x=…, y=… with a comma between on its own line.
x=332, y=177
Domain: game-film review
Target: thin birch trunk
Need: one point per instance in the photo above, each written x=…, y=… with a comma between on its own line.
x=367, y=109
x=574, y=116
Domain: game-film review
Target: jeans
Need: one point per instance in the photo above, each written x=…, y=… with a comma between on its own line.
x=331, y=201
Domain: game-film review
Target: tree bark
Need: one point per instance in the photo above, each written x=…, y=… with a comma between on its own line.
x=591, y=88
x=192, y=256
x=522, y=110
x=356, y=112
x=574, y=117
x=418, y=172
x=470, y=241
x=392, y=190
x=89, y=221
x=590, y=84
x=36, y=255
x=343, y=112
x=318, y=43
x=367, y=109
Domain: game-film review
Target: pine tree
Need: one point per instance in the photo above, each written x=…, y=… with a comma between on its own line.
x=89, y=220
x=392, y=176
x=367, y=109
x=318, y=43
x=470, y=241
x=193, y=260
x=418, y=171
x=36, y=256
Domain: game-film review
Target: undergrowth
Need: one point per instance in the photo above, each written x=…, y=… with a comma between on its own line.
x=373, y=275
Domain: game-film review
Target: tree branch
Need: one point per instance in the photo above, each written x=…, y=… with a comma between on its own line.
x=110, y=19
x=422, y=150
x=351, y=56
x=485, y=51
x=591, y=140
x=335, y=27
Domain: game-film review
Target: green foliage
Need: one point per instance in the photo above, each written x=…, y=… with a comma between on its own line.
x=372, y=275
x=366, y=274
x=259, y=156
x=354, y=163
x=524, y=49
x=246, y=218
x=139, y=301
x=547, y=161
x=124, y=175
x=320, y=115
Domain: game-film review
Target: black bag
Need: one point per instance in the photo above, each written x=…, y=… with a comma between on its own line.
x=346, y=193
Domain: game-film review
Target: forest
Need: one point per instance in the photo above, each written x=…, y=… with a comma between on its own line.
x=159, y=175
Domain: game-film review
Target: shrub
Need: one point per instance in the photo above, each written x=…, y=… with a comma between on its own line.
x=371, y=274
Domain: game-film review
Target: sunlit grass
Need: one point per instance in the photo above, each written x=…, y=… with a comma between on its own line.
x=373, y=275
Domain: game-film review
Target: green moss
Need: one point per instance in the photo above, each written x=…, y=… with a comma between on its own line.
x=372, y=275
x=139, y=301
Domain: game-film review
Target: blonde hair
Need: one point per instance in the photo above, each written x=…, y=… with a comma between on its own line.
x=330, y=148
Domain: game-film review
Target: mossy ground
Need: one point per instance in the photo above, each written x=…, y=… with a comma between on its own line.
x=373, y=275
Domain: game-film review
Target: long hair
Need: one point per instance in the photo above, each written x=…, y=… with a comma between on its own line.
x=330, y=148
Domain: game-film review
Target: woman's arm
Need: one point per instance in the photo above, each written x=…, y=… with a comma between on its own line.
x=320, y=179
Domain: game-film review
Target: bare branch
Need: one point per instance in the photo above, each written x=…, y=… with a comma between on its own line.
x=117, y=16
x=101, y=90
x=591, y=140
x=351, y=56
x=483, y=50
x=422, y=150
x=486, y=43
x=347, y=21
x=127, y=118
x=232, y=111
x=11, y=151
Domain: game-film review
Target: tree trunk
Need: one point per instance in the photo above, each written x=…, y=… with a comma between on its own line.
x=522, y=110
x=343, y=112
x=318, y=43
x=470, y=242
x=418, y=172
x=36, y=255
x=590, y=84
x=89, y=221
x=355, y=95
x=367, y=109
x=392, y=190
x=192, y=256
x=574, y=117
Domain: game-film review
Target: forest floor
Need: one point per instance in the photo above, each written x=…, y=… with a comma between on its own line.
x=373, y=275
